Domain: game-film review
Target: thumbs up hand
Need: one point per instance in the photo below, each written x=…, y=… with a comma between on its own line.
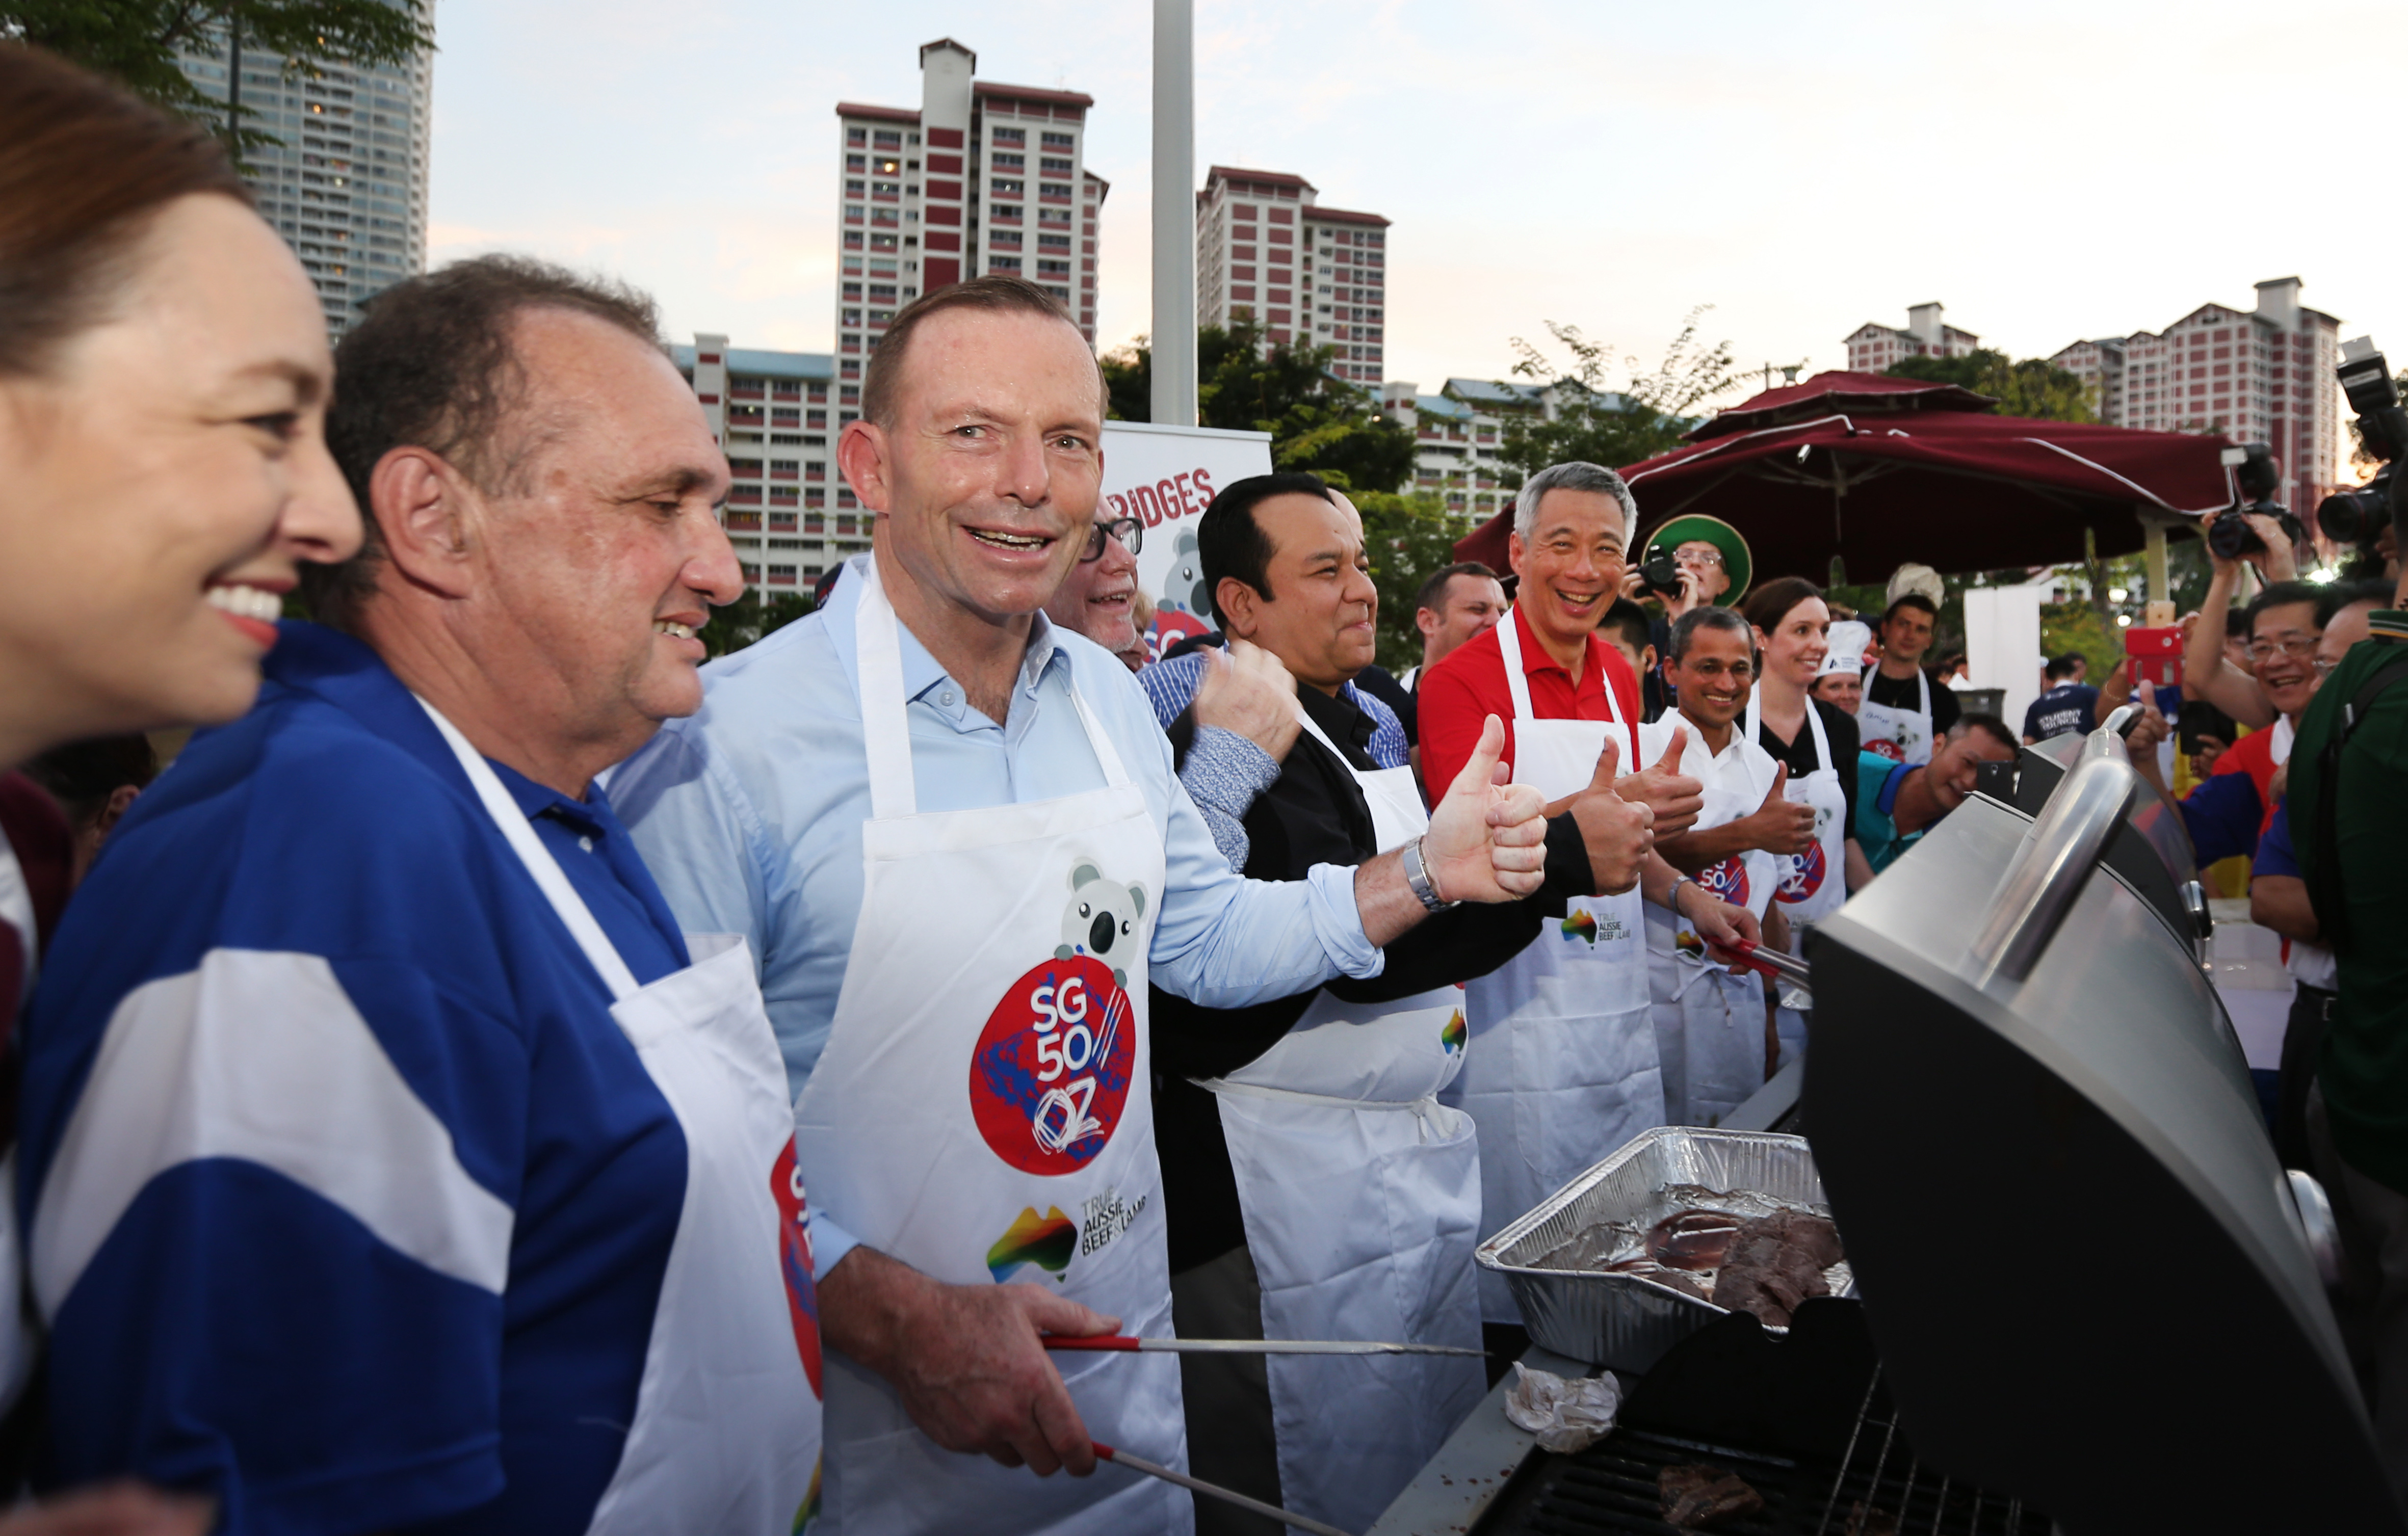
x=1487, y=838
x=1617, y=832
x=1674, y=797
x=1780, y=825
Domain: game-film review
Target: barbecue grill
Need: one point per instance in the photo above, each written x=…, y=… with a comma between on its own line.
x=2088, y=1287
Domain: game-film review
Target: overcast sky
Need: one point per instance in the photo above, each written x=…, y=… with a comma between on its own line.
x=2050, y=170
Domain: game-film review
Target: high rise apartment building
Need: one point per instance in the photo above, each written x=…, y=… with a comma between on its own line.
x=789, y=513
x=346, y=183
x=1266, y=250
x=1874, y=346
x=2263, y=374
x=980, y=178
x=1458, y=434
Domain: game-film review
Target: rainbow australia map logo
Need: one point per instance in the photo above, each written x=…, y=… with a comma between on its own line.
x=1050, y=1241
x=1453, y=1035
x=1580, y=923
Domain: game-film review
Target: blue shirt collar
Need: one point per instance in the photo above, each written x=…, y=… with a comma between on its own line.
x=924, y=679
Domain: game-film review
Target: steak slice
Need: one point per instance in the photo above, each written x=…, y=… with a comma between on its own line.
x=1700, y=1498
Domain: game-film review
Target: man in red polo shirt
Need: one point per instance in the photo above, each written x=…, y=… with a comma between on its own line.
x=1561, y=1065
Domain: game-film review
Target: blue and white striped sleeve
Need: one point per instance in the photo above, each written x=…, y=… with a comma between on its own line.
x=271, y=1236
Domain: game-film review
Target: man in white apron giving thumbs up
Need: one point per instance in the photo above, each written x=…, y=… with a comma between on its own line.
x=1316, y=1187
x=1561, y=1067
x=953, y=832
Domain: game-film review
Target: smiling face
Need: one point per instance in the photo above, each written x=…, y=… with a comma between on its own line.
x=594, y=579
x=1795, y=648
x=1322, y=615
x=1714, y=676
x=1957, y=763
x=1098, y=598
x=987, y=477
x=167, y=475
x=2289, y=681
x=1571, y=566
x=1842, y=691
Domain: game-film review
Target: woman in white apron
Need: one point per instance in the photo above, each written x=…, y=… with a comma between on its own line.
x=1710, y=1019
x=1361, y=1198
x=727, y=1433
x=981, y=1112
x=1793, y=627
x=1561, y=1067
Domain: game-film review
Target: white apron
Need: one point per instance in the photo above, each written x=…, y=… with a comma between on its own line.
x=727, y=1432
x=1904, y=734
x=1561, y=1067
x=983, y=1112
x=1709, y=1019
x=1361, y=1196
x=1814, y=884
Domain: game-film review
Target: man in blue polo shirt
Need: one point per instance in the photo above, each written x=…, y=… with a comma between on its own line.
x=1898, y=802
x=389, y=1157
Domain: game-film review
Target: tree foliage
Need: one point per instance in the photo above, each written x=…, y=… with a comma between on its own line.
x=748, y=618
x=137, y=42
x=1603, y=420
x=2034, y=387
x=1406, y=538
x=1244, y=383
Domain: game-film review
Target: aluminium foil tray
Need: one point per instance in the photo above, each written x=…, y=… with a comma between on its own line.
x=1624, y=1321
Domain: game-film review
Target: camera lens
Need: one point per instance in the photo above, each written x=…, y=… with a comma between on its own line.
x=2231, y=536
x=2348, y=516
x=1662, y=573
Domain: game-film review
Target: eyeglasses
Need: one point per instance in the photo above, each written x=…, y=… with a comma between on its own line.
x=1709, y=557
x=2262, y=652
x=1130, y=532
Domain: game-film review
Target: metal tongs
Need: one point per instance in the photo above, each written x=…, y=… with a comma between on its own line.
x=1772, y=963
x=1213, y=1490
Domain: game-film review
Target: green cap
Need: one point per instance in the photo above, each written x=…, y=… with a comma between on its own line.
x=1696, y=527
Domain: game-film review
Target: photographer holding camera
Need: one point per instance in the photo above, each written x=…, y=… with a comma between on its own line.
x=2254, y=532
x=2348, y=817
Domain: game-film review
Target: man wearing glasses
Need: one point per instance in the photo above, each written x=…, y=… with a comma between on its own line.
x=1715, y=567
x=2228, y=811
x=1098, y=598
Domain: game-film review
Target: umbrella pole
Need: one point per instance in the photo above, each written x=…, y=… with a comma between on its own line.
x=2158, y=589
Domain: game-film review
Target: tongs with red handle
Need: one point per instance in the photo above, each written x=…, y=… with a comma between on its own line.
x=1752, y=955
x=1211, y=1490
x=1123, y=1342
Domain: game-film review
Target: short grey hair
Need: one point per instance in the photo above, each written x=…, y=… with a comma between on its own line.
x=1575, y=475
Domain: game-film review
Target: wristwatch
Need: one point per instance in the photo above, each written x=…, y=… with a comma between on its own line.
x=1672, y=897
x=1417, y=878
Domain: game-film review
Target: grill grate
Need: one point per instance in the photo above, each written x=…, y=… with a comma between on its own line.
x=1612, y=1487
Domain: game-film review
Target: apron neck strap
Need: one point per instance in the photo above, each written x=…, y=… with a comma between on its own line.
x=885, y=736
x=1509, y=646
x=1813, y=723
x=540, y=865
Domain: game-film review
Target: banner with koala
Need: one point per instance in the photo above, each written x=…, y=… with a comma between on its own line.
x=1164, y=477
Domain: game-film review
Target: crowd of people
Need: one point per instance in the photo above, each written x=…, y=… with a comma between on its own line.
x=509, y=1075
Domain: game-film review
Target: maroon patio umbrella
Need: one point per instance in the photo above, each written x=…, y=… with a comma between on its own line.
x=1880, y=471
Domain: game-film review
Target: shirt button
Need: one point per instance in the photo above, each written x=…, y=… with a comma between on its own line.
x=585, y=843
x=946, y=699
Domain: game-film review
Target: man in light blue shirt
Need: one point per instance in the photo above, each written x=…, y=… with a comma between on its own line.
x=981, y=454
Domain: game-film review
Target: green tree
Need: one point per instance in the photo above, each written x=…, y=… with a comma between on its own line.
x=1605, y=422
x=748, y=618
x=2034, y=387
x=1406, y=538
x=1245, y=383
x=137, y=41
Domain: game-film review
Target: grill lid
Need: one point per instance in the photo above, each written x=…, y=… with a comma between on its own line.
x=2077, y=1252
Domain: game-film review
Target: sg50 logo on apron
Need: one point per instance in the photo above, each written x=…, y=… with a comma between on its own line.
x=1805, y=875
x=1051, y=1072
x=1726, y=881
x=794, y=1259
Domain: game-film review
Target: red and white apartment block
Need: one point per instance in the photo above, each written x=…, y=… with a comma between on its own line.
x=1266, y=249
x=1873, y=348
x=2256, y=376
x=980, y=178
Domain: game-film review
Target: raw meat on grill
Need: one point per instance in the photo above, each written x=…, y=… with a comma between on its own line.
x=1772, y=1267
x=1700, y=1498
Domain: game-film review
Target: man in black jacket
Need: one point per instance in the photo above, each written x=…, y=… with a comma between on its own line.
x=1313, y=1186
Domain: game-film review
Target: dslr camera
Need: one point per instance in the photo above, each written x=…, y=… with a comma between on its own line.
x=2255, y=477
x=1662, y=574
x=2359, y=517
